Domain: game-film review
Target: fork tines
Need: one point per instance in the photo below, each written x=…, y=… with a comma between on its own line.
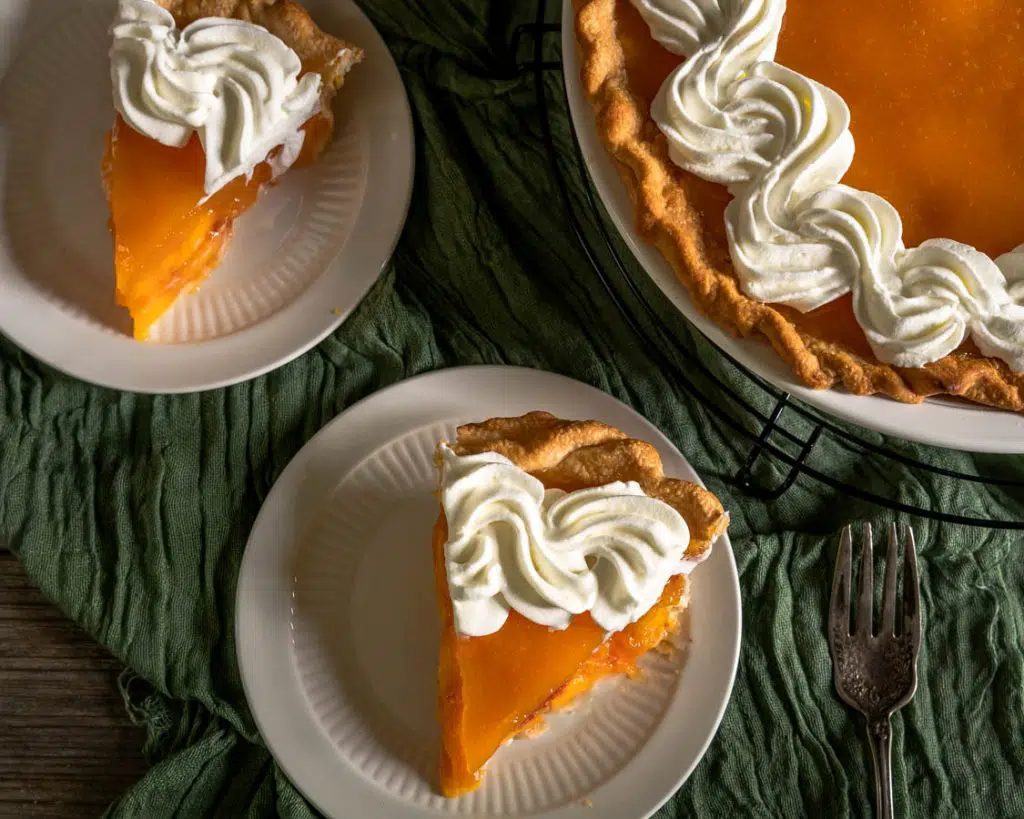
x=842, y=586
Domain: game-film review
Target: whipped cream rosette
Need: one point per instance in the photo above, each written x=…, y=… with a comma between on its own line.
x=232, y=82
x=550, y=555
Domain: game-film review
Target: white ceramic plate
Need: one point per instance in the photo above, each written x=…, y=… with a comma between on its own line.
x=299, y=263
x=939, y=422
x=337, y=629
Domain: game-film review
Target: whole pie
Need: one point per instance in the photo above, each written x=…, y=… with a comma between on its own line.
x=843, y=178
x=560, y=554
x=215, y=100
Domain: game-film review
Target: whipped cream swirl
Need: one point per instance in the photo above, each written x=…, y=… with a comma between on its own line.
x=781, y=143
x=549, y=554
x=230, y=81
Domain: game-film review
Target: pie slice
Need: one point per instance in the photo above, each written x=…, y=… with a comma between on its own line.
x=914, y=315
x=170, y=228
x=498, y=685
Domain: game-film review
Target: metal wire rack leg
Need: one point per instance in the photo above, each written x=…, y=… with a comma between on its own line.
x=744, y=476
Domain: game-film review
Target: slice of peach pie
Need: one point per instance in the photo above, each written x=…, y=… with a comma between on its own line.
x=560, y=556
x=215, y=99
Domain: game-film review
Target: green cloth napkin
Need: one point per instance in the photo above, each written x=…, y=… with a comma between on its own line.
x=132, y=512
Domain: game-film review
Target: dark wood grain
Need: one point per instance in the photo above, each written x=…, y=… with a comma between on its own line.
x=67, y=748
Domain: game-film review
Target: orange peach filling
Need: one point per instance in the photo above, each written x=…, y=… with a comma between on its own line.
x=166, y=238
x=934, y=90
x=497, y=686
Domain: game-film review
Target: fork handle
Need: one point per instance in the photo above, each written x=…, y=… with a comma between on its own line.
x=880, y=739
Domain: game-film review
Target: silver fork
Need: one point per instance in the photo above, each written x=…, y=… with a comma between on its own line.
x=875, y=670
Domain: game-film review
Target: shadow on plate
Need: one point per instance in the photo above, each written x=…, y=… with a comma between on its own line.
x=55, y=109
x=366, y=634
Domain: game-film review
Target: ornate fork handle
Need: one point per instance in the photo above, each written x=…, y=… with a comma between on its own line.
x=880, y=739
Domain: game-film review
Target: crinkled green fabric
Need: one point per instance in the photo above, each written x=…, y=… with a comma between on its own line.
x=132, y=512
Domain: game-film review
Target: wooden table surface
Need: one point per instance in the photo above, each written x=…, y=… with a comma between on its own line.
x=67, y=747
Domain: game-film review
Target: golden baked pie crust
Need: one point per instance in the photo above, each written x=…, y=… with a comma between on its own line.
x=580, y=454
x=667, y=217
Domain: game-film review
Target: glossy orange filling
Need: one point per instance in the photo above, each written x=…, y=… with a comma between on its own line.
x=166, y=238
x=165, y=241
x=933, y=88
x=499, y=685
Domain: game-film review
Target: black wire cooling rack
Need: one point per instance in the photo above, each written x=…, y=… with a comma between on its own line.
x=787, y=439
